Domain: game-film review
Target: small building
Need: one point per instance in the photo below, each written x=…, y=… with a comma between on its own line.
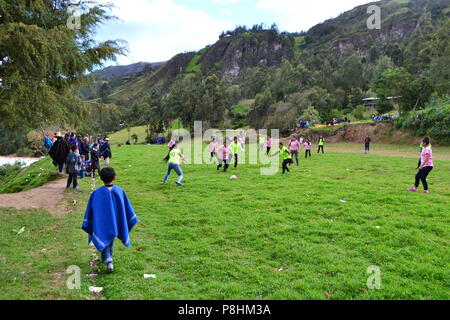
x=372, y=102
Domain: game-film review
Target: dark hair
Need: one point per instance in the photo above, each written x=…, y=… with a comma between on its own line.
x=107, y=175
x=72, y=135
x=166, y=159
x=73, y=147
x=95, y=145
x=426, y=140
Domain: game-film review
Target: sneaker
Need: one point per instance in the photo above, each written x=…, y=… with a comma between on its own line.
x=426, y=192
x=110, y=267
x=180, y=184
x=413, y=190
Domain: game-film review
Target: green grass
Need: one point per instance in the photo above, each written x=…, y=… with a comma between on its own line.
x=121, y=137
x=36, y=175
x=222, y=239
x=193, y=65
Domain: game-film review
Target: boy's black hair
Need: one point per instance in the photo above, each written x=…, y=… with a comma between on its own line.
x=107, y=175
x=95, y=145
x=426, y=140
x=73, y=147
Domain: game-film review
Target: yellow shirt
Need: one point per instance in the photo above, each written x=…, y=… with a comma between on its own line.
x=175, y=156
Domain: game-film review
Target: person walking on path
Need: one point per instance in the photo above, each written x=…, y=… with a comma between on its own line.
x=73, y=166
x=59, y=152
x=426, y=166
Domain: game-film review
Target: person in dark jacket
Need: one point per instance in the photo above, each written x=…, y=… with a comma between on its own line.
x=95, y=160
x=73, y=166
x=59, y=152
x=105, y=151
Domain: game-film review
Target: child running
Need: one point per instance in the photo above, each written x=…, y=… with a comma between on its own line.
x=308, y=147
x=235, y=146
x=213, y=148
x=174, y=159
x=224, y=156
x=109, y=215
x=286, y=156
x=73, y=166
x=426, y=166
x=294, y=146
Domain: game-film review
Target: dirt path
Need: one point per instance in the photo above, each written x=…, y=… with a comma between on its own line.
x=49, y=197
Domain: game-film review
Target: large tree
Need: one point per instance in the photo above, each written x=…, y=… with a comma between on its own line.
x=42, y=59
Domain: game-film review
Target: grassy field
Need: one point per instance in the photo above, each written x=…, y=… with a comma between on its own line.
x=322, y=225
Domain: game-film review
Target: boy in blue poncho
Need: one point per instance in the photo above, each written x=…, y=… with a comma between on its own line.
x=109, y=215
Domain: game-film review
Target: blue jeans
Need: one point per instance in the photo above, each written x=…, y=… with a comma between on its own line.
x=107, y=253
x=177, y=168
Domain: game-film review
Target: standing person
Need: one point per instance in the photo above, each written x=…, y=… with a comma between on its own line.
x=213, y=148
x=109, y=215
x=73, y=166
x=106, y=153
x=367, y=142
x=321, y=144
x=48, y=143
x=85, y=145
x=286, y=156
x=174, y=159
x=269, y=145
x=308, y=147
x=223, y=154
x=235, y=146
x=59, y=152
x=426, y=166
x=294, y=146
x=95, y=160
x=242, y=142
x=262, y=142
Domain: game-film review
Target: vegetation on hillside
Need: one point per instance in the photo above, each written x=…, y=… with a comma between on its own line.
x=330, y=69
x=43, y=62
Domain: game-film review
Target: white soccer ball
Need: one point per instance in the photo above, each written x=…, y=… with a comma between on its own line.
x=233, y=178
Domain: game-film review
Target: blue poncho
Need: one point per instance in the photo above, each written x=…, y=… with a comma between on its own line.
x=109, y=215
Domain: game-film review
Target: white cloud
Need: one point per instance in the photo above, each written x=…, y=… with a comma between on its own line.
x=298, y=15
x=156, y=30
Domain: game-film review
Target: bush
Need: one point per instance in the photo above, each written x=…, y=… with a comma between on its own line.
x=434, y=120
x=358, y=112
x=9, y=170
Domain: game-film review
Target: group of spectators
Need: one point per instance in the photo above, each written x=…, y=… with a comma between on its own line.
x=305, y=124
x=336, y=121
x=89, y=150
x=383, y=118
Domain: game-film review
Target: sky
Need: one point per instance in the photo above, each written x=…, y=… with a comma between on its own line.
x=157, y=30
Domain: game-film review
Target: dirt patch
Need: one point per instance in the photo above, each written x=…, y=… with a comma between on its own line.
x=49, y=197
x=379, y=133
